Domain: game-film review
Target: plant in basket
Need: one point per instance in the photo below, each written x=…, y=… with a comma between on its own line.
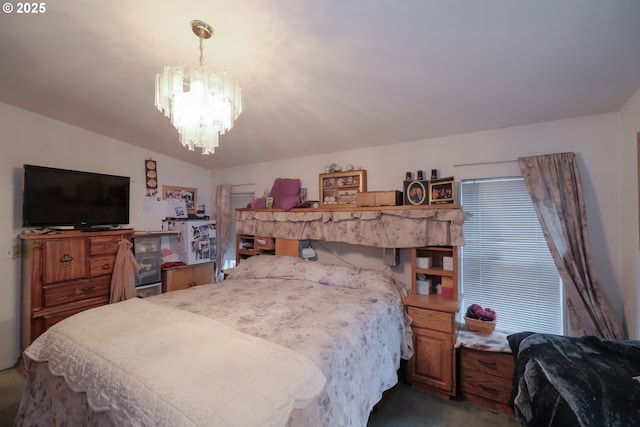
x=480, y=319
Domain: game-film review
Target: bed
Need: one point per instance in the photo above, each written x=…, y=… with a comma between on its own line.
x=333, y=336
x=566, y=381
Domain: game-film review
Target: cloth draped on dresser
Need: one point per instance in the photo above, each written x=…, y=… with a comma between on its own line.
x=125, y=268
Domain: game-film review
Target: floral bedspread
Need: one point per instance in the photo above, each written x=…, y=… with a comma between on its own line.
x=173, y=368
x=349, y=322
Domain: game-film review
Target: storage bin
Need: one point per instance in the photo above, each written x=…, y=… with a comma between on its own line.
x=423, y=287
x=149, y=290
x=447, y=292
x=447, y=287
x=447, y=282
x=149, y=258
x=424, y=262
x=447, y=263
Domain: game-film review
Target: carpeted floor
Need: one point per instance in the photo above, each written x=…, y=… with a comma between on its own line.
x=401, y=407
x=404, y=407
x=11, y=386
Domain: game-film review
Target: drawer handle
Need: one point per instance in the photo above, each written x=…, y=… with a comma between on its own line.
x=488, y=364
x=66, y=259
x=489, y=389
x=106, y=266
x=86, y=289
x=108, y=244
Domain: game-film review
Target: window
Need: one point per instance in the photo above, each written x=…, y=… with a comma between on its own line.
x=506, y=263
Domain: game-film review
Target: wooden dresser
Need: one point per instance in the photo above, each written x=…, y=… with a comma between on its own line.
x=63, y=274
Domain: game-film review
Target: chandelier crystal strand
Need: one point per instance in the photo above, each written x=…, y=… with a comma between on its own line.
x=200, y=102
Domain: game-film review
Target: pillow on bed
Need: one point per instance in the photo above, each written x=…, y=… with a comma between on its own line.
x=285, y=193
x=516, y=339
x=292, y=268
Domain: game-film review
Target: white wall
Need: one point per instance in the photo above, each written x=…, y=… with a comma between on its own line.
x=604, y=144
x=33, y=139
x=593, y=139
x=629, y=215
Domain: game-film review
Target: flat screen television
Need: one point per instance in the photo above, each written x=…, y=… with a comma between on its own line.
x=84, y=200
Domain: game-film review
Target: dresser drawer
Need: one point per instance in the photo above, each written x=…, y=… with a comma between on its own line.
x=431, y=319
x=52, y=319
x=489, y=362
x=102, y=245
x=101, y=265
x=64, y=260
x=77, y=291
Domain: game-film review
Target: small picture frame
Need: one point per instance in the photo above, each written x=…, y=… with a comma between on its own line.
x=416, y=192
x=442, y=191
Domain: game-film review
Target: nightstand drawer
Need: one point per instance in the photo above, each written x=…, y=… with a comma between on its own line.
x=484, y=385
x=431, y=319
x=486, y=377
x=488, y=362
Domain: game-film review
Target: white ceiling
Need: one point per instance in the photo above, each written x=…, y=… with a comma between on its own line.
x=321, y=76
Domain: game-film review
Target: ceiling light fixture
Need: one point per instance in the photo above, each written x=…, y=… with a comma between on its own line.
x=201, y=103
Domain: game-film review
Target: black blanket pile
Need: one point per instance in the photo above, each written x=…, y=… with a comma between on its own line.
x=565, y=381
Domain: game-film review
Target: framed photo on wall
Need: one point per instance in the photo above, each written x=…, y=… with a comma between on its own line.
x=442, y=191
x=189, y=195
x=416, y=192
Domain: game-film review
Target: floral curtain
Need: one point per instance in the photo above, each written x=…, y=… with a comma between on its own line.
x=553, y=181
x=223, y=224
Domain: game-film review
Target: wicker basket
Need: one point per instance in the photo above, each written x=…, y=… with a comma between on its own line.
x=477, y=325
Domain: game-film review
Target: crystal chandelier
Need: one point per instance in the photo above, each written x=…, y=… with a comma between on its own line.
x=201, y=103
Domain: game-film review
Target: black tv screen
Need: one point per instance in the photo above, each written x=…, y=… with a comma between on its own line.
x=61, y=197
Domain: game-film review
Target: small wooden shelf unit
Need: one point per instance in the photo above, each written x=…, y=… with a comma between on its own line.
x=339, y=189
x=248, y=245
x=433, y=366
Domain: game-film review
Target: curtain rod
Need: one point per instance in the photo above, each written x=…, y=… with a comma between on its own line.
x=484, y=163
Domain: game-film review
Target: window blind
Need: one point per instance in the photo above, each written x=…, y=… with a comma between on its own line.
x=505, y=263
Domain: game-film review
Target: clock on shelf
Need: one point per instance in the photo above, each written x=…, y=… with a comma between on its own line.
x=151, y=177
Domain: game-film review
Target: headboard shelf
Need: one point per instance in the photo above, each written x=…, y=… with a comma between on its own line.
x=385, y=227
x=358, y=209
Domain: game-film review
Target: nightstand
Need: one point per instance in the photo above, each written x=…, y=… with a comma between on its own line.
x=486, y=369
